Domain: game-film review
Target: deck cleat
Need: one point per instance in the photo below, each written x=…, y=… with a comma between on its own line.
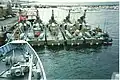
x=91, y=43
x=97, y=43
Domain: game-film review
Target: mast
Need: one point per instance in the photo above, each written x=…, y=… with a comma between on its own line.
x=67, y=19
x=52, y=14
x=52, y=20
x=69, y=14
x=84, y=13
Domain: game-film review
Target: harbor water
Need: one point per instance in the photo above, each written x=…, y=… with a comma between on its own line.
x=85, y=63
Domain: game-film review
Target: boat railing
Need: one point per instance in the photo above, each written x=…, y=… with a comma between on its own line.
x=14, y=32
x=31, y=50
x=30, y=68
x=6, y=48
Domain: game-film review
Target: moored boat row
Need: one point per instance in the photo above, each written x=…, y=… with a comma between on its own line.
x=31, y=29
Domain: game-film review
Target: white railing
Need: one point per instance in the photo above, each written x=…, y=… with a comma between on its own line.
x=31, y=50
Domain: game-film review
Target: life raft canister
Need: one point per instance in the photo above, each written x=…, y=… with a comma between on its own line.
x=22, y=18
x=37, y=34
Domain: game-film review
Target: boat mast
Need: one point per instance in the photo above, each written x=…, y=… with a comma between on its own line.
x=69, y=14
x=67, y=19
x=52, y=14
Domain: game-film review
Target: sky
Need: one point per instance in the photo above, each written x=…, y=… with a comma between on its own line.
x=72, y=0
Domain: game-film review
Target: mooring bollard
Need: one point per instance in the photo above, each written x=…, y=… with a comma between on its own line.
x=58, y=44
x=38, y=44
x=91, y=43
x=72, y=44
x=52, y=44
x=97, y=43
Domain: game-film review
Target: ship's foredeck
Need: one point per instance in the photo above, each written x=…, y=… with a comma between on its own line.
x=18, y=53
